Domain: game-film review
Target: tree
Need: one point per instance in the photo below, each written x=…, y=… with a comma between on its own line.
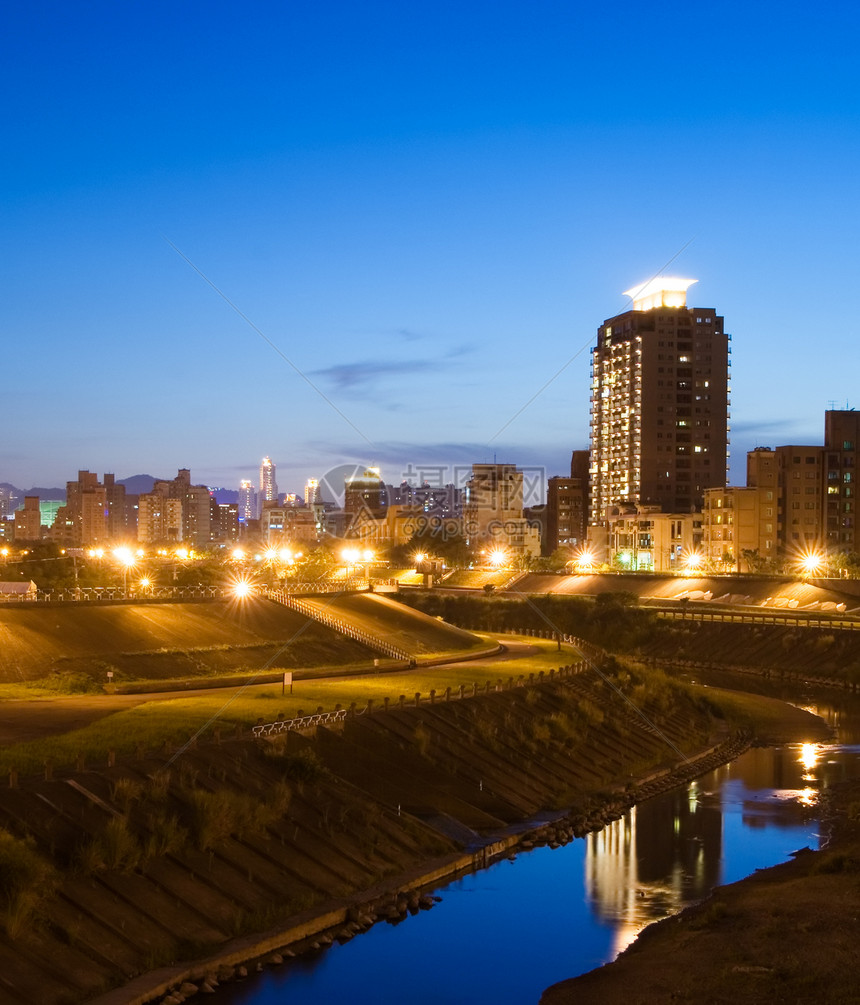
x=754, y=561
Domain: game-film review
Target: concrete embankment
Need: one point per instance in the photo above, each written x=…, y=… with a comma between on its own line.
x=131, y=870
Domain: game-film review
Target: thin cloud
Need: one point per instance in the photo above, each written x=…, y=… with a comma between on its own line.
x=348, y=376
x=750, y=427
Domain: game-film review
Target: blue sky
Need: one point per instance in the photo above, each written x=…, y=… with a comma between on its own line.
x=426, y=210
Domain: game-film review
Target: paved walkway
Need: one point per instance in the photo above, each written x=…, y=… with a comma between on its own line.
x=34, y=718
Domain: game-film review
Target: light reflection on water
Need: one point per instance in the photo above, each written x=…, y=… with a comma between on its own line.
x=504, y=934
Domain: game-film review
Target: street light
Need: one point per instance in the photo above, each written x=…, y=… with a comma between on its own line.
x=498, y=557
x=693, y=562
x=811, y=563
x=242, y=587
x=585, y=559
x=127, y=559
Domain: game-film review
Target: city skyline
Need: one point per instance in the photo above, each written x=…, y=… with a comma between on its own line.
x=417, y=220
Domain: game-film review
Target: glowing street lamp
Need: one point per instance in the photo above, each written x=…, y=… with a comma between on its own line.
x=242, y=588
x=811, y=563
x=498, y=557
x=693, y=561
x=127, y=559
x=585, y=560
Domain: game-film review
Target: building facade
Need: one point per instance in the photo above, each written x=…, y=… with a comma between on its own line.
x=493, y=511
x=247, y=501
x=159, y=519
x=645, y=539
x=659, y=403
x=28, y=520
x=841, y=438
x=739, y=528
x=268, y=484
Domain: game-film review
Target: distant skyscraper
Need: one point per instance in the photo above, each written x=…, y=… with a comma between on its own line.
x=659, y=403
x=268, y=482
x=247, y=501
x=312, y=492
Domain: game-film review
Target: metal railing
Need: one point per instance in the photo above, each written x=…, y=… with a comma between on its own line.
x=795, y=620
x=90, y=594
x=305, y=722
x=462, y=693
x=338, y=624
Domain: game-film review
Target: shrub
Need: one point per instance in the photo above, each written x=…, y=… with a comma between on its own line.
x=115, y=848
x=167, y=835
x=26, y=881
x=421, y=736
x=219, y=815
x=301, y=766
x=126, y=791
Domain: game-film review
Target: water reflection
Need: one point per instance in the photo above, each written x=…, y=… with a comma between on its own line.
x=672, y=850
x=505, y=933
x=662, y=855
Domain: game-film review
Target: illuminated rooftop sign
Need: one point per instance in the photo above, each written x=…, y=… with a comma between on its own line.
x=664, y=291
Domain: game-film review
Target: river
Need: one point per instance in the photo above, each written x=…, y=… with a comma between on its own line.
x=504, y=934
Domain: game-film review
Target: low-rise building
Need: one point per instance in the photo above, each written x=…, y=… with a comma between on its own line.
x=738, y=528
x=643, y=539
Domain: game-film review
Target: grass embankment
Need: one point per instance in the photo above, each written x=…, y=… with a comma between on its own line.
x=79, y=643
x=163, y=858
x=173, y=721
x=617, y=622
x=411, y=630
x=768, y=720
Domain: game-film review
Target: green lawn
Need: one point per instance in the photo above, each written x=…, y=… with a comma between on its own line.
x=175, y=720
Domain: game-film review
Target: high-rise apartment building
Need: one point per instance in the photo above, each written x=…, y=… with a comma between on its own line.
x=191, y=521
x=312, y=491
x=247, y=501
x=493, y=511
x=268, y=483
x=28, y=520
x=365, y=492
x=841, y=440
x=85, y=518
x=659, y=403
